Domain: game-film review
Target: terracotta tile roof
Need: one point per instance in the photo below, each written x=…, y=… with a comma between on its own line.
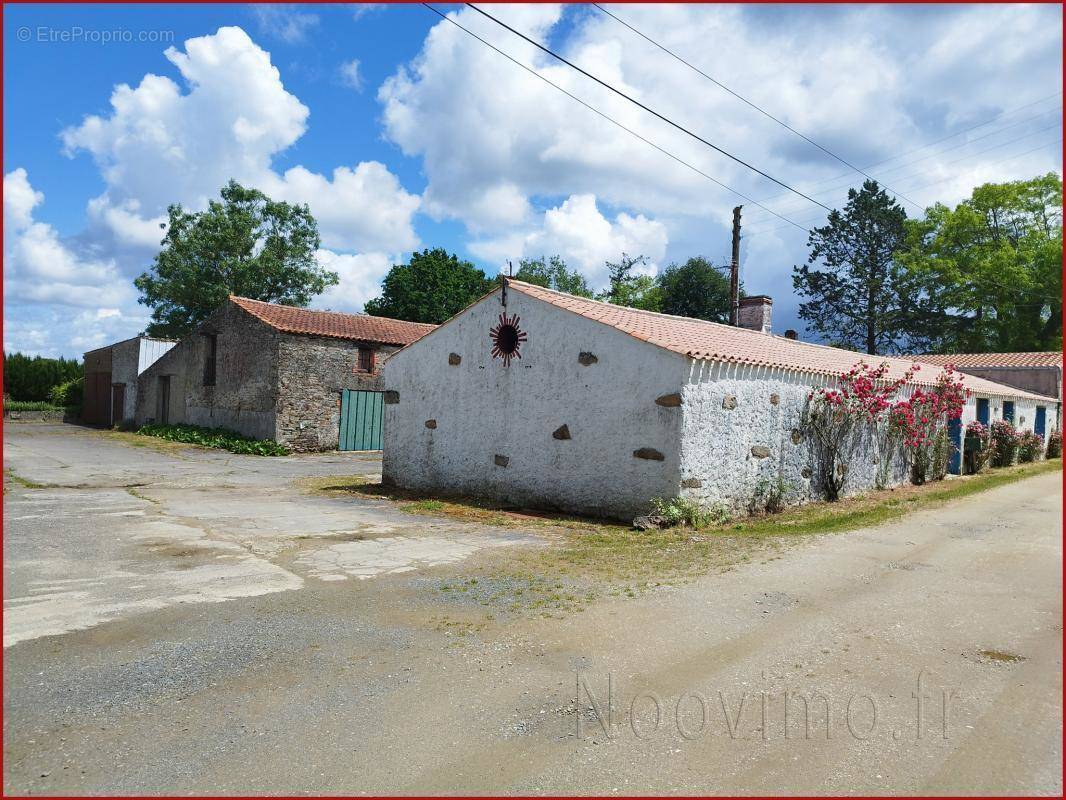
x=332, y=324
x=963, y=360
x=711, y=341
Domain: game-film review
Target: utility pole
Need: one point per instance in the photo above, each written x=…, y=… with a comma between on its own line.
x=734, y=270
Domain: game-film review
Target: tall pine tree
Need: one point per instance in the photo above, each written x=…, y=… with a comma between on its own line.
x=857, y=295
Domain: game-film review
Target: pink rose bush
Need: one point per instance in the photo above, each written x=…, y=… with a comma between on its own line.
x=864, y=401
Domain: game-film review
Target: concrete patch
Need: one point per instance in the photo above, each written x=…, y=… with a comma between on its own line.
x=392, y=554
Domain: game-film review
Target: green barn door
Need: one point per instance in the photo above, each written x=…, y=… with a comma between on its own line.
x=361, y=414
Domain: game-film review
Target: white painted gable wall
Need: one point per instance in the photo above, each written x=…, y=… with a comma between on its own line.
x=483, y=409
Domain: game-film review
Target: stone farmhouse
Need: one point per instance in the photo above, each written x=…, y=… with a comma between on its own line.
x=544, y=399
x=111, y=378
x=1035, y=372
x=308, y=379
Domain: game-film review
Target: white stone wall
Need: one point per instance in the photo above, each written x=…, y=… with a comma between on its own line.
x=482, y=409
x=719, y=465
x=743, y=427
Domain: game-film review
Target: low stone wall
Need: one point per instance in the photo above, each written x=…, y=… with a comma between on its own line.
x=56, y=415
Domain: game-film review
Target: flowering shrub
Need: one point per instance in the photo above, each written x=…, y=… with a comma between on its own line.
x=1004, y=443
x=1054, y=445
x=836, y=415
x=977, y=446
x=1030, y=446
x=921, y=419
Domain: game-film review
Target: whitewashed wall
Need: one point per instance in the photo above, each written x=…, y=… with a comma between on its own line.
x=735, y=437
x=482, y=409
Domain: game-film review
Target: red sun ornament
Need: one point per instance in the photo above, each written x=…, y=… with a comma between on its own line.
x=507, y=339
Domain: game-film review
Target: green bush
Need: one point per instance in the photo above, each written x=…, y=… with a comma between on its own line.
x=1004, y=443
x=32, y=377
x=1030, y=447
x=221, y=438
x=68, y=393
x=681, y=511
x=1054, y=445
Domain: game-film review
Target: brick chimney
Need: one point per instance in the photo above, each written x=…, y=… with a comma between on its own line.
x=754, y=313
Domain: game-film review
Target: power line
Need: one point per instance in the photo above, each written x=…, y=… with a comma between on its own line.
x=948, y=150
x=759, y=232
x=965, y=158
x=950, y=136
x=747, y=102
x=613, y=121
x=639, y=104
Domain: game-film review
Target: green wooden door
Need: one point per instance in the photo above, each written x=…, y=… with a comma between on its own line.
x=361, y=414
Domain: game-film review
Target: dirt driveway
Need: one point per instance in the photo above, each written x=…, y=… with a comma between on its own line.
x=186, y=621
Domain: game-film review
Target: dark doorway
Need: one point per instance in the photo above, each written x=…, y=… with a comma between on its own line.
x=163, y=401
x=118, y=403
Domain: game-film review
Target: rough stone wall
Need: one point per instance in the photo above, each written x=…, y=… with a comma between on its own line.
x=743, y=430
x=312, y=372
x=244, y=397
x=465, y=423
x=125, y=357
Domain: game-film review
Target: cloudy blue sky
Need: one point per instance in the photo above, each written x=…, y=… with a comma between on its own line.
x=402, y=132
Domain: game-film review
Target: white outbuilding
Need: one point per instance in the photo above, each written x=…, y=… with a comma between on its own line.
x=540, y=398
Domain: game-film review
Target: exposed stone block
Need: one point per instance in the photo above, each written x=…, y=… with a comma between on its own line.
x=454, y=359
x=561, y=433
x=730, y=402
x=649, y=453
x=501, y=461
x=691, y=483
x=585, y=359
x=391, y=398
x=760, y=452
x=431, y=424
x=669, y=400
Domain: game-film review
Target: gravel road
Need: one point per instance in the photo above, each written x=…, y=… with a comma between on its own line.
x=193, y=623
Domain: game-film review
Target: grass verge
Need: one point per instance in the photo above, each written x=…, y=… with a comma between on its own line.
x=595, y=558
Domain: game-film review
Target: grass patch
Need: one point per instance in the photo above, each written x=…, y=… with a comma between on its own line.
x=596, y=558
x=34, y=405
x=217, y=438
x=25, y=483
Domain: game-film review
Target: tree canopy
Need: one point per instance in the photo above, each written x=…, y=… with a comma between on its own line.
x=432, y=287
x=627, y=289
x=858, y=294
x=33, y=377
x=695, y=289
x=552, y=273
x=246, y=244
x=991, y=268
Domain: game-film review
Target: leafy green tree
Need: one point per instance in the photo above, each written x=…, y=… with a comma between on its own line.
x=991, y=268
x=247, y=244
x=34, y=377
x=695, y=289
x=857, y=293
x=627, y=289
x=552, y=273
x=432, y=287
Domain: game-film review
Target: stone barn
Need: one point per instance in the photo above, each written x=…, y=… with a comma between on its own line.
x=110, y=396
x=307, y=379
x=544, y=399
